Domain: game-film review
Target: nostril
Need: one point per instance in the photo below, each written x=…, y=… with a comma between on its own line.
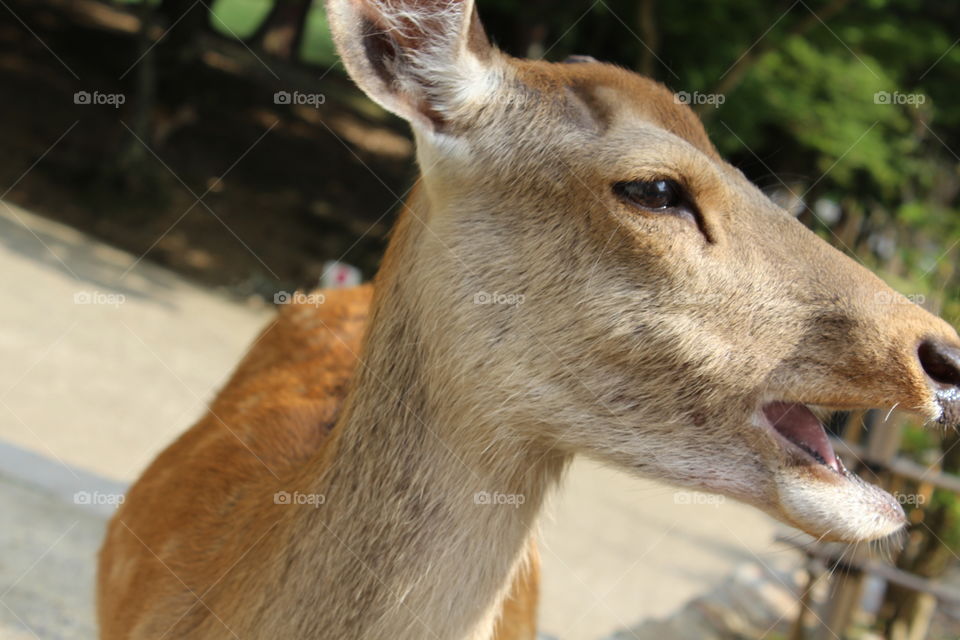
x=940, y=361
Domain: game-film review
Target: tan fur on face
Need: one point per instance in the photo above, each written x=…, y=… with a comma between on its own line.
x=643, y=340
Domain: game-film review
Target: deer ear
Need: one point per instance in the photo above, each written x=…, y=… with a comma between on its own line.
x=424, y=60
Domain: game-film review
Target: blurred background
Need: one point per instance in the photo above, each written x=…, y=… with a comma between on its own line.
x=170, y=169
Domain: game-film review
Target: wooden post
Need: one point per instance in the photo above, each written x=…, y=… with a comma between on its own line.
x=853, y=429
x=923, y=616
x=814, y=573
x=842, y=603
x=883, y=441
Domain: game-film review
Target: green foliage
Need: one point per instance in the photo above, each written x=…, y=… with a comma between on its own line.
x=917, y=441
x=238, y=18
x=950, y=502
x=824, y=104
x=317, y=47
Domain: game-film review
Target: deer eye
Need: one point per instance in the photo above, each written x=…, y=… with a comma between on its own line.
x=663, y=196
x=655, y=195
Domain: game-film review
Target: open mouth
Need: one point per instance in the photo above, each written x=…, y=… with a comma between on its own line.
x=815, y=492
x=798, y=425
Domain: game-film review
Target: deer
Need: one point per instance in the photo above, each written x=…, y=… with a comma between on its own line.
x=577, y=272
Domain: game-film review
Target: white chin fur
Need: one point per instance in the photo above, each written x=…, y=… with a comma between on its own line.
x=843, y=509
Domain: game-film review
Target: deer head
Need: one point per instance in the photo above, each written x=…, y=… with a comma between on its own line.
x=591, y=277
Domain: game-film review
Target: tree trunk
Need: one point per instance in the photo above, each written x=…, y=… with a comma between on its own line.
x=182, y=22
x=646, y=21
x=281, y=32
x=134, y=171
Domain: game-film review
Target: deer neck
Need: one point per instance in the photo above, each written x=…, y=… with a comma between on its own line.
x=428, y=506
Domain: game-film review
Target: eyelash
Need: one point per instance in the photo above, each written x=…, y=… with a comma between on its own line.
x=648, y=194
x=644, y=194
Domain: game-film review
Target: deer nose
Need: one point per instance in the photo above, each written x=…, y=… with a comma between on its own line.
x=941, y=363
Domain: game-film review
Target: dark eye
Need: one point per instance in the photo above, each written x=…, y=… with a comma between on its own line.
x=661, y=196
x=650, y=194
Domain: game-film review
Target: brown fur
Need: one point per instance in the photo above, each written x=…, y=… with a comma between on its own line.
x=190, y=521
x=280, y=405
x=641, y=340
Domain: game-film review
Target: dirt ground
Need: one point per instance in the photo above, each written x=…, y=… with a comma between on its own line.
x=283, y=187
